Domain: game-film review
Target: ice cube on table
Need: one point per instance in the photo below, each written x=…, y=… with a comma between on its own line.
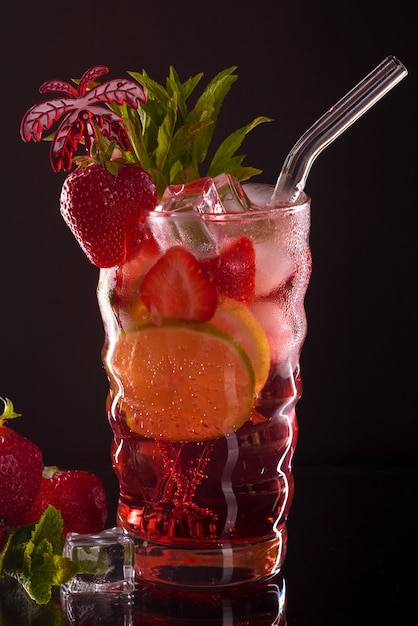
x=108, y=560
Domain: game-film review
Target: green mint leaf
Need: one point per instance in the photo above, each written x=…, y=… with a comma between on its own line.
x=208, y=107
x=184, y=140
x=165, y=134
x=17, y=608
x=171, y=140
x=151, y=87
x=226, y=151
x=137, y=142
x=33, y=556
x=183, y=90
x=49, y=527
x=244, y=173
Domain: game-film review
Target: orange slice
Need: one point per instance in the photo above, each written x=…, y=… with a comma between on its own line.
x=236, y=319
x=182, y=381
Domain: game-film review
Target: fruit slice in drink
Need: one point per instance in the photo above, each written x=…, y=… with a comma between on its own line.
x=183, y=381
x=236, y=319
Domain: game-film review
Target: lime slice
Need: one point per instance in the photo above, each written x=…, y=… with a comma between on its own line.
x=182, y=381
x=236, y=319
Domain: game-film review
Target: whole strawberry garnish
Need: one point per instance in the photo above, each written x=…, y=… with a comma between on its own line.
x=157, y=131
x=21, y=466
x=78, y=495
x=106, y=211
x=233, y=271
x=175, y=287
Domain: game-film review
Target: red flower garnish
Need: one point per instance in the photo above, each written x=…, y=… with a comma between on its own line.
x=83, y=109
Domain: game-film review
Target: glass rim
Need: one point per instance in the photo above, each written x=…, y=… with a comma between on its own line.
x=256, y=212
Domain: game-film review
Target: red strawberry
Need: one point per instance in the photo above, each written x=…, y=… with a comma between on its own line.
x=233, y=271
x=176, y=287
x=21, y=466
x=105, y=211
x=78, y=495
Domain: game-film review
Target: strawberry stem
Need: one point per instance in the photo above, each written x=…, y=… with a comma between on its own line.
x=8, y=412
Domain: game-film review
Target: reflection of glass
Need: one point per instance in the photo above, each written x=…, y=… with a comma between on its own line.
x=263, y=604
x=203, y=412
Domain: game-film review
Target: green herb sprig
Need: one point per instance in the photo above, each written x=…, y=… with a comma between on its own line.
x=32, y=555
x=172, y=142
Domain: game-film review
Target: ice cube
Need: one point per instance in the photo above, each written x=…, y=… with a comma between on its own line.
x=199, y=195
x=280, y=334
x=108, y=560
x=273, y=266
x=179, y=218
x=258, y=194
x=231, y=194
x=222, y=194
x=176, y=220
x=180, y=228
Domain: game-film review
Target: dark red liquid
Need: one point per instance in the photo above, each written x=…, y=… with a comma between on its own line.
x=235, y=490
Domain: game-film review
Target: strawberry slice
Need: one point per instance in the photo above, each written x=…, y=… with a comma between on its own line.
x=175, y=287
x=233, y=271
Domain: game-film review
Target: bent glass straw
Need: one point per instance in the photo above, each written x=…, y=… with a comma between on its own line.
x=292, y=178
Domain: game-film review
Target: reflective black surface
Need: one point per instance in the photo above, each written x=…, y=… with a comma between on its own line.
x=351, y=559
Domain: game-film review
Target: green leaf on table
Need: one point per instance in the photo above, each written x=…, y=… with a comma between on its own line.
x=33, y=556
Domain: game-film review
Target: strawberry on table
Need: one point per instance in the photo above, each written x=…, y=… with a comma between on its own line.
x=175, y=287
x=21, y=466
x=78, y=495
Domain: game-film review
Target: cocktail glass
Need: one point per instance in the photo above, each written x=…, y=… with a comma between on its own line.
x=203, y=315
x=203, y=412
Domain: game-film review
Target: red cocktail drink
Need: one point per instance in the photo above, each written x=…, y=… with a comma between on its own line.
x=203, y=411
x=201, y=290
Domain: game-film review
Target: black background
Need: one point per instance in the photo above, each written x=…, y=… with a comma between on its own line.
x=294, y=60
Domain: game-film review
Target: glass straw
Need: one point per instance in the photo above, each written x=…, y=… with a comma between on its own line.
x=292, y=178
